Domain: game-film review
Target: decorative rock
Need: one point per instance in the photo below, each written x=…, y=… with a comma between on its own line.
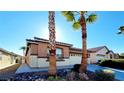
x=83, y=76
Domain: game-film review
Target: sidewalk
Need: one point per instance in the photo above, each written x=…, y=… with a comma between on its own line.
x=25, y=68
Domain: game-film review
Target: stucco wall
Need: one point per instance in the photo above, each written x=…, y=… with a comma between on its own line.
x=94, y=57
x=33, y=61
x=34, y=49
x=111, y=53
x=40, y=50
x=102, y=51
x=7, y=60
x=41, y=62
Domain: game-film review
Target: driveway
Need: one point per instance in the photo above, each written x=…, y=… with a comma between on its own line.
x=8, y=71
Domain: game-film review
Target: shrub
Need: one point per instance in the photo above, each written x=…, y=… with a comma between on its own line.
x=117, y=64
x=104, y=75
x=76, y=68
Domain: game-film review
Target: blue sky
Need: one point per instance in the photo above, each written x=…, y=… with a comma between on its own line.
x=15, y=27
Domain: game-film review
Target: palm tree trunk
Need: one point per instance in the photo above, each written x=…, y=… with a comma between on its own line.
x=84, y=45
x=52, y=45
x=23, y=58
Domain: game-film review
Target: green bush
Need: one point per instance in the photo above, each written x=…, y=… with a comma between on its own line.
x=115, y=63
x=76, y=68
x=104, y=75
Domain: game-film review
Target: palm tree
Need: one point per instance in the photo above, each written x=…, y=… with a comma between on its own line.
x=23, y=48
x=23, y=58
x=80, y=20
x=121, y=28
x=52, y=44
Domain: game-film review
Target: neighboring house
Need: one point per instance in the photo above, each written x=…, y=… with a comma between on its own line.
x=8, y=58
x=37, y=53
x=98, y=53
x=117, y=56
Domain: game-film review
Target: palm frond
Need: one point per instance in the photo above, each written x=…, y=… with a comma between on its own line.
x=64, y=12
x=69, y=15
x=76, y=25
x=22, y=48
x=91, y=18
x=119, y=33
x=83, y=12
x=121, y=28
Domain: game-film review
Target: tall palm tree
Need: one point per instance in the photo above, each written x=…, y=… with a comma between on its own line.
x=52, y=43
x=80, y=20
x=121, y=30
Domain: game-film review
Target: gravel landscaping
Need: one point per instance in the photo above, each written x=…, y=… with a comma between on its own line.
x=43, y=76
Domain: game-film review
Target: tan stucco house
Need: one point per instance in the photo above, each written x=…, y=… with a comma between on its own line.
x=8, y=58
x=37, y=53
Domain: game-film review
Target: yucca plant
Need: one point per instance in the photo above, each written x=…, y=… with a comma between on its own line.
x=79, y=20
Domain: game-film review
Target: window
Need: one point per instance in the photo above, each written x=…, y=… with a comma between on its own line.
x=58, y=53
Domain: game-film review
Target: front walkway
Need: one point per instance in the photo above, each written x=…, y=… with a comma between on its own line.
x=119, y=74
x=25, y=68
